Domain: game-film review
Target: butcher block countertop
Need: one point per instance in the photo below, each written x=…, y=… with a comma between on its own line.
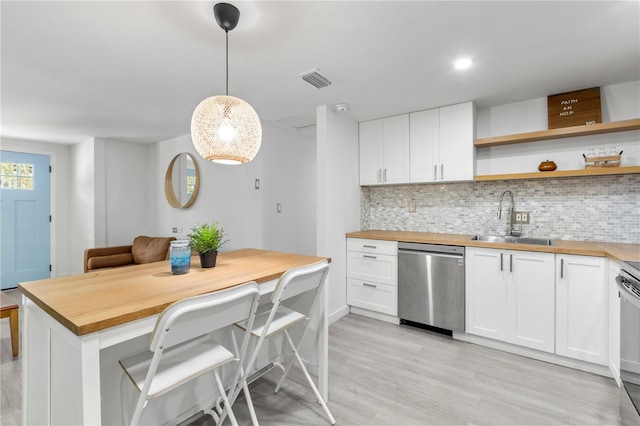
x=615, y=251
x=98, y=300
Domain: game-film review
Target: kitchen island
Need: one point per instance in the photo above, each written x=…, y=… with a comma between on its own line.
x=77, y=327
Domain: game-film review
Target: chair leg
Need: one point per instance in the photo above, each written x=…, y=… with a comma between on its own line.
x=213, y=415
x=252, y=411
x=135, y=419
x=240, y=383
x=227, y=406
x=284, y=374
x=286, y=370
x=309, y=379
x=234, y=392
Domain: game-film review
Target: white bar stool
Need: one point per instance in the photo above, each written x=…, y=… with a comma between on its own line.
x=180, y=349
x=294, y=282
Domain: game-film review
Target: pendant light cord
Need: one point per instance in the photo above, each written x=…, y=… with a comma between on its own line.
x=226, y=32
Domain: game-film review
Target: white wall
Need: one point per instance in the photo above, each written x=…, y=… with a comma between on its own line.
x=338, y=198
x=286, y=168
x=227, y=196
x=126, y=187
x=289, y=178
x=60, y=157
x=82, y=204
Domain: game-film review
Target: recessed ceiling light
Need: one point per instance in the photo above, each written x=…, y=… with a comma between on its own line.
x=462, y=63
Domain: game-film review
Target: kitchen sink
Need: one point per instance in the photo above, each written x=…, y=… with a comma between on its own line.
x=512, y=240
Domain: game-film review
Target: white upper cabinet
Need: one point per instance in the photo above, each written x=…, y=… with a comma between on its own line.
x=384, y=151
x=370, y=152
x=457, y=132
x=425, y=145
x=441, y=144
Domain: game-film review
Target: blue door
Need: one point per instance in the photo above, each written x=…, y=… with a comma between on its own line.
x=24, y=220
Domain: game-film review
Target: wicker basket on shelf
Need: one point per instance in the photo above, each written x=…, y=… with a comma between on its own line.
x=602, y=161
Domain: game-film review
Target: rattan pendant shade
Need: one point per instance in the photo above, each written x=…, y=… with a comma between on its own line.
x=226, y=129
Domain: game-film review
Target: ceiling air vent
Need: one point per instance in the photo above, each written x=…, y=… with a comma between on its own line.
x=316, y=79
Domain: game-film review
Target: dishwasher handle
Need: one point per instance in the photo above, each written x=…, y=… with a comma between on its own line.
x=429, y=253
x=436, y=249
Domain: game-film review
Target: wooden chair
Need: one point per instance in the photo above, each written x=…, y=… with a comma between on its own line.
x=294, y=282
x=181, y=350
x=9, y=309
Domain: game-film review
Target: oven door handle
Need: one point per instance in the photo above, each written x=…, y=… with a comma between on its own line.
x=626, y=293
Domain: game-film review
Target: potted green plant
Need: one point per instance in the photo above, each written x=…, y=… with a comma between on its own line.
x=206, y=240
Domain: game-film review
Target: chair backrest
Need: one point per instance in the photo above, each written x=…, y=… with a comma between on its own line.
x=300, y=280
x=199, y=315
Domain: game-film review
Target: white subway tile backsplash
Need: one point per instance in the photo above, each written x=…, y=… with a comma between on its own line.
x=597, y=208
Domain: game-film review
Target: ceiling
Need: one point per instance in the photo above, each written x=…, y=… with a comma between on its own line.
x=135, y=70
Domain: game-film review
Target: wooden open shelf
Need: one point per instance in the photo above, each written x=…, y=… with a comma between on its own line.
x=565, y=132
x=562, y=173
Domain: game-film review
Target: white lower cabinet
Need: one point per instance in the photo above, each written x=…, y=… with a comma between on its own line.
x=372, y=275
x=510, y=296
x=614, y=320
x=582, y=308
x=373, y=296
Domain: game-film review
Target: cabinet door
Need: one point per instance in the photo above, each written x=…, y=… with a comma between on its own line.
x=614, y=320
x=395, y=149
x=582, y=308
x=370, y=152
x=485, y=293
x=457, y=152
x=530, y=299
x=424, y=145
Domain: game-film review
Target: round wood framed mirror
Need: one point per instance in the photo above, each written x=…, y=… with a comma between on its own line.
x=182, y=181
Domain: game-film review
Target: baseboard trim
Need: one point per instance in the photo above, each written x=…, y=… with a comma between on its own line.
x=341, y=312
x=375, y=315
x=588, y=367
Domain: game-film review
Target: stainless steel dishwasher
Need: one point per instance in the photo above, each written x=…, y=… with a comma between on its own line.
x=431, y=285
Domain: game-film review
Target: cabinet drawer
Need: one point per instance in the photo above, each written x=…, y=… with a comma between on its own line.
x=372, y=246
x=379, y=268
x=373, y=296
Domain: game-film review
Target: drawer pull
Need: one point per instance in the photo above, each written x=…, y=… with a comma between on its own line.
x=369, y=257
x=369, y=285
x=368, y=246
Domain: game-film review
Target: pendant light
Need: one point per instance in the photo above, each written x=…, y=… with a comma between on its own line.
x=226, y=129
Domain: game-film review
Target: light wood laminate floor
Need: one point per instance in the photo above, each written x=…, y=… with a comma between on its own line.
x=384, y=374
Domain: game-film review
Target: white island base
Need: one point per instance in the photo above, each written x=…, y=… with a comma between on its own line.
x=76, y=380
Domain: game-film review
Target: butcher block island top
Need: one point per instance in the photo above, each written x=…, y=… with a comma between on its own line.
x=98, y=300
x=615, y=251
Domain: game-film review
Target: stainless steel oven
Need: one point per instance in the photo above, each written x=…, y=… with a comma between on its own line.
x=629, y=290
